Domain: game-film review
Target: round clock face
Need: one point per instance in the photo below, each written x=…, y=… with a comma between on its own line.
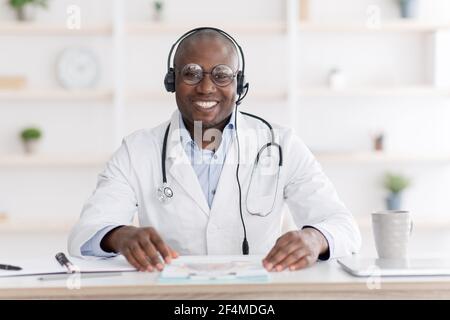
x=77, y=68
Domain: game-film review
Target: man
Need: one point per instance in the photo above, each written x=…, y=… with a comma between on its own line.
x=213, y=201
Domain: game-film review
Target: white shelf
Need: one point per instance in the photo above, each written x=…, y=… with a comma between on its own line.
x=39, y=226
x=40, y=29
x=148, y=95
x=33, y=28
x=418, y=91
x=380, y=157
x=137, y=95
x=392, y=26
x=107, y=95
x=144, y=28
x=52, y=160
x=55, y=94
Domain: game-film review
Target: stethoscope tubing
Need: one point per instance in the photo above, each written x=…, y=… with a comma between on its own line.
x=165, y=192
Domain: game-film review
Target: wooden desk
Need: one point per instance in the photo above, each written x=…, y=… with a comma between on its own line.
x=325, y=280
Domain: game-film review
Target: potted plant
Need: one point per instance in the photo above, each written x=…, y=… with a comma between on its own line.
x=408, y=8
x=158, y=7
x=30, y=138
x=25, y=9
x=395, y=184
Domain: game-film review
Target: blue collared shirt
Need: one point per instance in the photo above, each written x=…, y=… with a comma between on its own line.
x=207, y=165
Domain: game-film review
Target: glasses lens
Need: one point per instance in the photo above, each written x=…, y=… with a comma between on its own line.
x=222, y=75
x=192, y=73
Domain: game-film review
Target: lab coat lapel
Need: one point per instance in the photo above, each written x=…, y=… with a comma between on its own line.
x=180, y=168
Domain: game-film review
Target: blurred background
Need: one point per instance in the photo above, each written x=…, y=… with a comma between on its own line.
x=366, y=85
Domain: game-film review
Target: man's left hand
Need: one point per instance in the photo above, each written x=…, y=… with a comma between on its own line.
x=296, y=250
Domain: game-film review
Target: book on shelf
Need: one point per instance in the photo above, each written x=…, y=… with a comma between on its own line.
x=12, y=82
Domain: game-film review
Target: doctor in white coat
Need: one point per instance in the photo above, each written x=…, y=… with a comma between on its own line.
x=213, y=180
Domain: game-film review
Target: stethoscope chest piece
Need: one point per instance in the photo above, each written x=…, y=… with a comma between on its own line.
x=165, y=193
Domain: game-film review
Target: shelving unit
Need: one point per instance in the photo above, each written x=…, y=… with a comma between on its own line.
x=292, y=27
x=381, y=158
x=51, y=160
x=407, y=91
x=77, y=160
x=116, y=96
x=56, y=94
x=149, y=28
x=390, y=26
x=41, y=29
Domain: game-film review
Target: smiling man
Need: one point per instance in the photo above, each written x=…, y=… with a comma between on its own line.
x=196, y=194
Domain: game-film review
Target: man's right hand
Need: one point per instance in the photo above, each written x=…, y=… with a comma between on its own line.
x=140, y=246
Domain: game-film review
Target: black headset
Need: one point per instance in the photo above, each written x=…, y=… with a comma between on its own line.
x=169, y=79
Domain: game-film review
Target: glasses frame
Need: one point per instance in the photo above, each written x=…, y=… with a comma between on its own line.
x=234, y=75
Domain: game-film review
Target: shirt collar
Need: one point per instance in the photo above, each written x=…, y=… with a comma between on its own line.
x=185, y=137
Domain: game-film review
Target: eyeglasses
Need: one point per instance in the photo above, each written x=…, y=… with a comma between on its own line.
x=222, y=75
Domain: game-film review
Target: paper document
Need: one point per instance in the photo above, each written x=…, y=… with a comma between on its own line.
x=214, y=268
x=49, y=265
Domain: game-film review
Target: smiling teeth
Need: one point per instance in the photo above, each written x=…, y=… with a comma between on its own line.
x=206, y=104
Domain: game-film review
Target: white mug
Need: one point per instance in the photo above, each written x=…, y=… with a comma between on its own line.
x=392, y=230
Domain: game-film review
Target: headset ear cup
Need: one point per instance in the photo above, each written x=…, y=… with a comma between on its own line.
x=169, y=80
x=240, y=83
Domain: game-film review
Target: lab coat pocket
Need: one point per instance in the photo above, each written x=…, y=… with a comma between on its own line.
x=263, y=186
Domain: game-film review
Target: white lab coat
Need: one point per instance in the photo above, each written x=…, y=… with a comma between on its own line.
x=131, y=178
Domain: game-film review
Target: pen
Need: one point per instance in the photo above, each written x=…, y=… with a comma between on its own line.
x=9, y=267
x=62, y=259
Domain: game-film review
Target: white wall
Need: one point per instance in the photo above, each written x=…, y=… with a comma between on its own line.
x=48, y=196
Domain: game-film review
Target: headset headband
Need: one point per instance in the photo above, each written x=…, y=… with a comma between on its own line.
x=241, y=52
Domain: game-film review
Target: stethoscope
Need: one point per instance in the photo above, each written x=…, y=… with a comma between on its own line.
x=165, y=192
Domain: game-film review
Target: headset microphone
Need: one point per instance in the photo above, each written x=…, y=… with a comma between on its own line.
x=241, y=97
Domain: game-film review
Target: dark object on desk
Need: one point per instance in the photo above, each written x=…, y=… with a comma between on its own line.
x=9, y=267
x=63, y=261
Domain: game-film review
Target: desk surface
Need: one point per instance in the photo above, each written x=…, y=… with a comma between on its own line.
x=325, y=280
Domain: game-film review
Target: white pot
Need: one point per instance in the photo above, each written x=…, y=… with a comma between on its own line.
x=26, y=13
x=158, y=16
x=31, y=146
x=336, y=79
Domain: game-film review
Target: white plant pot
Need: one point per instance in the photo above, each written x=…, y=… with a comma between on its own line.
x=158, y=16
x=337, y=80
x=31, y=146
x=26, y=13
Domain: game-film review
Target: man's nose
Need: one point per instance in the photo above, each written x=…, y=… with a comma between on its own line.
x=206, y=85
